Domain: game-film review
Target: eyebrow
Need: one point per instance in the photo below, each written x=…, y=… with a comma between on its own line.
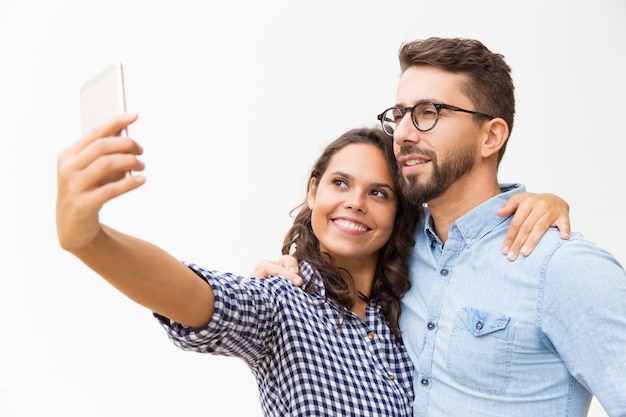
x=429, y=100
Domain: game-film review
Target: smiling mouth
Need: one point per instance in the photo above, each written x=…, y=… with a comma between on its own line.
x=351, y=226
x=413, y=162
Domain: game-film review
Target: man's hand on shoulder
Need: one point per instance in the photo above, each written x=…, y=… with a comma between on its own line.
x=286, y=266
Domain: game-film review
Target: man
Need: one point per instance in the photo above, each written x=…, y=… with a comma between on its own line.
x=489, y=337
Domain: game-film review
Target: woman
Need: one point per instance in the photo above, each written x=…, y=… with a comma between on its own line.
x=331, y=349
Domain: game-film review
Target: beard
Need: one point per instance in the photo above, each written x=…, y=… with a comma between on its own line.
x=418, y=189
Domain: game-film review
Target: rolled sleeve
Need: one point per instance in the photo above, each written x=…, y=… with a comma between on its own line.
x=242, y=320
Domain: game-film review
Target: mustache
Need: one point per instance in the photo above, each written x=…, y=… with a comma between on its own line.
x=416, y=150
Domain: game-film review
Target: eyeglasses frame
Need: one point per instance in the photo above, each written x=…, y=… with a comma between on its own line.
x=438, y=107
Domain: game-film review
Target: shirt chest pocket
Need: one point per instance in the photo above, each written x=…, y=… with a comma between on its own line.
x=479, y=354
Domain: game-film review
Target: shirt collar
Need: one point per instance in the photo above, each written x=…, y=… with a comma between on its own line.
x=312, y=276
x=477, y=222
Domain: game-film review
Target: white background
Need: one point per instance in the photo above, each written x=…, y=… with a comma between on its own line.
x=236, y=100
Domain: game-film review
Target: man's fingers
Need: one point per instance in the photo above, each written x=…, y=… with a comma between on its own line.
x=289, y=262
x=265, y=268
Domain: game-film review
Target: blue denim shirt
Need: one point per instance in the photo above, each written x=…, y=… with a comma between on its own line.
x=534, y=337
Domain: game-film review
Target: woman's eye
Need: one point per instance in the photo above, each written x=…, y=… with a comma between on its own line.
x=379, y=193
x=340, y=183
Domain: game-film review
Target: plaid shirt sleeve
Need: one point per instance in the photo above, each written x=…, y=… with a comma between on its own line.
x=242, y=323
x=310, y=357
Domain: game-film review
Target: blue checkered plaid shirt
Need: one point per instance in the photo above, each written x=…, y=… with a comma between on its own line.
x=304, y=364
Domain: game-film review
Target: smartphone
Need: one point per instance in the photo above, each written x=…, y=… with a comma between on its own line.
x=102, y=97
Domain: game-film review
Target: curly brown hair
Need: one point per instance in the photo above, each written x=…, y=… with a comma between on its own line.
x=392, y=279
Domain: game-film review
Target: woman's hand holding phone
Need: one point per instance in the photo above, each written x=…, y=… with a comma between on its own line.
x=90, y=173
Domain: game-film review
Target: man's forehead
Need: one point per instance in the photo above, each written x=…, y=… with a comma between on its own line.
x=428, y=83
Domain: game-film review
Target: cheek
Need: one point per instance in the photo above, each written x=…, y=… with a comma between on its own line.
x=318, y=216
x=396, y=149
x=386, y=223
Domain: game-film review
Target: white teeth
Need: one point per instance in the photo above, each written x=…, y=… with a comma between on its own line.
x=351, y=226
x=412, y=162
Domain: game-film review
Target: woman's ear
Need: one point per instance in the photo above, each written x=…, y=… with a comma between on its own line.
x=310, y=196
x=496, y=136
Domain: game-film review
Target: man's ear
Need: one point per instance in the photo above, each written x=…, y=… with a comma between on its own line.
x=496, y=136
x=310, y=195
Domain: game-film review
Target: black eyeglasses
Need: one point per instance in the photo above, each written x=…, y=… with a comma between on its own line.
x=424, y=115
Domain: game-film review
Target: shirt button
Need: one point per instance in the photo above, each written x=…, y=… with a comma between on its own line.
x=391, y=377
x=479, y=325
x=370, y=335
x=373, y=303
x=430, y=325
x=444, y=272
x=424, y=382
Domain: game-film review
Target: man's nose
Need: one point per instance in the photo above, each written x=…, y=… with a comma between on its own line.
x=405, y=131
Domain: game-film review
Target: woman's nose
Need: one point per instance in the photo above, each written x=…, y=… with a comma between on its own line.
x=356, y=201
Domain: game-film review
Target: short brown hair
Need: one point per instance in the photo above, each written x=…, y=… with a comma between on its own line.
x=489, y=84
